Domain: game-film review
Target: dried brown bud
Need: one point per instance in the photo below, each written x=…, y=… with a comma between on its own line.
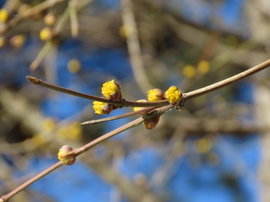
x=152, y=122
x=107, y=108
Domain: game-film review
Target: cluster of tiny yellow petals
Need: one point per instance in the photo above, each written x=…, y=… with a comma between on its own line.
x=138, y=108
x=154, y=95
x=98, y=107
x=109, y=88
x=173, y=95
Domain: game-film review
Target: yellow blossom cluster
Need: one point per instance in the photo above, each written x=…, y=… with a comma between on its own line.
x=98, y=107
x=155, y=95
x=109, y=88
x=173, y=95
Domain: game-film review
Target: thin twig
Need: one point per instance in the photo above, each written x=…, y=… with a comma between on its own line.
x=227, y=81
x=29, y=182
x=134, y=45
x=42, y=53
x=73, y=18
x=95, y=98
x=121, y=116
x=131, y=124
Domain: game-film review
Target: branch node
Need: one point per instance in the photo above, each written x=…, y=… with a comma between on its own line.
x=182, y=102
x=123, y=103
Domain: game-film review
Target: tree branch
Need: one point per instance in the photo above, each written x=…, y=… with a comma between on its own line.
x=227, y=81
x=95, y=98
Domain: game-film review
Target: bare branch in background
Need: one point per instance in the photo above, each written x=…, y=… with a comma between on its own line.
x=133, y=44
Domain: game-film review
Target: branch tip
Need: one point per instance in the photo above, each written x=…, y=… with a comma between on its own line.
x=33, y=80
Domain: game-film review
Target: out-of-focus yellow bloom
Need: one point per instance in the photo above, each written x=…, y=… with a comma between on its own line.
x=46, y=34
x=98, y=107
x=2, y=41
x=3, y=15
x=62, y=132
x=204, y=145
x=17, y=41
x=49, y=19
x=38, y=140
x=203, y=66
x=189, y=71
x=48, y=125
x=125, y=31
x=138, y=108
x=109, y=88
x=64, y=157
x=155, y=95
x=73, y=131
x=74, y=65
x=173, y=95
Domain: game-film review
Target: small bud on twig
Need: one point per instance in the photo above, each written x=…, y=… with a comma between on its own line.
x=64, y=157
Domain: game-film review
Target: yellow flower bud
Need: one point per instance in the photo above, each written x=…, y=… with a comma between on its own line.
x=138, y=108
x=64, y=157
x=98, y=107
x=102, y=107
x=155, y=95
x=173, y=95
x=111, y=90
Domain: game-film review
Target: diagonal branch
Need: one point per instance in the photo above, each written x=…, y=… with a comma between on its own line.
x=83, y=149
x=95, y=98
x=227, y=81
x=121, y=116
